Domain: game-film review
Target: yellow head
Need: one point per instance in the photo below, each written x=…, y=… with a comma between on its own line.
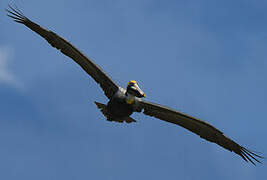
x=134, y=89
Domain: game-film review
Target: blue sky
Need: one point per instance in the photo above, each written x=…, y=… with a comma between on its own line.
x=204, y=58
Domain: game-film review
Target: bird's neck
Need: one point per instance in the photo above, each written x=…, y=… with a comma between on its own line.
x=129, y=98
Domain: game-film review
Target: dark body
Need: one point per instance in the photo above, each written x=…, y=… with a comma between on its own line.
x=117, y=108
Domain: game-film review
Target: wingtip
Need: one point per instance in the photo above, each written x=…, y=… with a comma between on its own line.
x=250, y=156
x=16, y=14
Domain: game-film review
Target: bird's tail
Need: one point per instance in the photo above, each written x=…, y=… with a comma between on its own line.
x=103, y=109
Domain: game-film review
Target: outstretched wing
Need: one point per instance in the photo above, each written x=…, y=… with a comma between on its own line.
x=106, y=83
x=201, y=128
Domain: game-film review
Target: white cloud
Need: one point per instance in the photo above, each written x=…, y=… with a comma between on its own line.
x=5, y=75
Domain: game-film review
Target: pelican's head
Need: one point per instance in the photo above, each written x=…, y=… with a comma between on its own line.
x=134, y=89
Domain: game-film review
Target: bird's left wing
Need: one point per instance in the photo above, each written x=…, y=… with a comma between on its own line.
x=199, y=127
x=106, y=83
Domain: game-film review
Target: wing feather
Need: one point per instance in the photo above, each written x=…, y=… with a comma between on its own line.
x=109, y=87
x=199, y=127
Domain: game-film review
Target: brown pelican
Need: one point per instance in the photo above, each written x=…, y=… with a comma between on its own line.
x=123, y=102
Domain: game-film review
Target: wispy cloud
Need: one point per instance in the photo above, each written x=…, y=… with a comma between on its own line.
x=5, y=74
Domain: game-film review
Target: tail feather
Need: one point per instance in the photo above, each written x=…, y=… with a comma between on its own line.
x=103, y=109
x=129, y=120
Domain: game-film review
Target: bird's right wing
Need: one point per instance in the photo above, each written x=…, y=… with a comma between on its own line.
x=109, y=87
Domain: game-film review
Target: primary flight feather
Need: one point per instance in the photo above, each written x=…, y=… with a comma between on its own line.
x=123, y=102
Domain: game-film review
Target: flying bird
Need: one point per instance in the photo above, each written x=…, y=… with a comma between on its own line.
x=123, y=102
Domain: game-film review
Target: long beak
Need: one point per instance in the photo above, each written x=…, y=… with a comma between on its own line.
x=140, y=93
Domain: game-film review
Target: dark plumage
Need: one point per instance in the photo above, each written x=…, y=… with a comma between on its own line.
x=123, y=102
